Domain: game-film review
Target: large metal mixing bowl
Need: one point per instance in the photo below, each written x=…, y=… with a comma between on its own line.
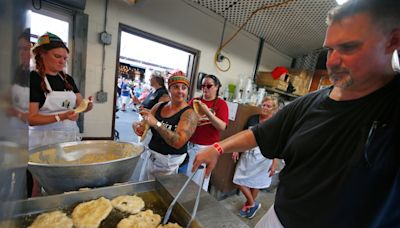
x=69, y=166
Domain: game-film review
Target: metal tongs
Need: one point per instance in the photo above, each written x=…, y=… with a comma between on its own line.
x=196, y=204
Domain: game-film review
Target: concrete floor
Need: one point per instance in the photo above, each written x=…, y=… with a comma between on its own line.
x=233, y=203
x=123, y=124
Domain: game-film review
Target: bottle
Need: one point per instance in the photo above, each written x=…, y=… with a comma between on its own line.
x=226, y=94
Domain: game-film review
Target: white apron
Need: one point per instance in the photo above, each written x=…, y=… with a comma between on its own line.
x=252, y=170
x=20, y=101
x=269, y=220
x=140, y=168
x=193, y=149
x=160, y=164
x=64, y=131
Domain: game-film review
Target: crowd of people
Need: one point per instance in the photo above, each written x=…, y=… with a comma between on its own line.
x=340, y=144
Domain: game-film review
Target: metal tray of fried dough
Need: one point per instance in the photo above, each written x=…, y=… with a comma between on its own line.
x=155, y=196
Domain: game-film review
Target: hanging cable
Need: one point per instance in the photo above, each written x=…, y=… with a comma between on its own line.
x=104, y=50
x=218, y=55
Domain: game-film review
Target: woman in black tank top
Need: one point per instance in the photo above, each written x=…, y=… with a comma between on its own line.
x=172, y=124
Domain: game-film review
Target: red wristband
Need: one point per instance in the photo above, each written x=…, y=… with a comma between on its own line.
x=218, y=148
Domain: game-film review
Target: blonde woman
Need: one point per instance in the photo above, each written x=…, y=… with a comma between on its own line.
x=254, y=171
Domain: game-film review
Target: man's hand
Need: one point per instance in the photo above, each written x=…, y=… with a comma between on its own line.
x=208, y=155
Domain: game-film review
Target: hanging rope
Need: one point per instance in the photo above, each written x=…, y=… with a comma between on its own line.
x=218, y=52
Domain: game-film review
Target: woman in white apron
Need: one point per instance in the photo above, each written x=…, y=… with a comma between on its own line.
x=213, y=118
x=254, y=171
x=53, y=96
x=17, y=97
x=172, y=124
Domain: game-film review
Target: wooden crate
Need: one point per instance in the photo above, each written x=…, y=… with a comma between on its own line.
x=266, y=79
x=282, y=85
x=301, y=80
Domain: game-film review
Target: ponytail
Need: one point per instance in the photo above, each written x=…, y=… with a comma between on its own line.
x=40, y=69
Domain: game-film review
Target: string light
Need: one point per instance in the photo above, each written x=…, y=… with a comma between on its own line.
x=341, y=2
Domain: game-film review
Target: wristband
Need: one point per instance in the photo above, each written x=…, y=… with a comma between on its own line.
x=57, y=118
x=218, y=148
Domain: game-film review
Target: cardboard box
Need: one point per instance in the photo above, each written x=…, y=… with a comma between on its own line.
x=282, y=85
x=266, y=79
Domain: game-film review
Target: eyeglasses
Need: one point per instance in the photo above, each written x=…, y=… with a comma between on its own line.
x=207, y=86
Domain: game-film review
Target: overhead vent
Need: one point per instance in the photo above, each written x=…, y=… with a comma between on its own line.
x=72, y=4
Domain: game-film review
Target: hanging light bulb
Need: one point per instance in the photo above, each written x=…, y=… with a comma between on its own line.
x=340, y=2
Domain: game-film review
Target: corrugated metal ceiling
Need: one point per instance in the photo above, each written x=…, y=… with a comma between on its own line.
x=295, y=28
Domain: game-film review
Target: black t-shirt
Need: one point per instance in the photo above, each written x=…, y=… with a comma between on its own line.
x=342, y=159
x=153, y=97
x=157, y=143
x=21, y=77
x=252, y=121
x=56, y=83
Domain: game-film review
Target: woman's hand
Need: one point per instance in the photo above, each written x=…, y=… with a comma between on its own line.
x=273, y=167
x=204, y=108
x=138, y=128
x=148, y=117
x=90, y=104
x=235, y=156
x=70, y=115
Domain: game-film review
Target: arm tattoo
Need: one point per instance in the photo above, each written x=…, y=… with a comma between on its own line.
x=186, y=127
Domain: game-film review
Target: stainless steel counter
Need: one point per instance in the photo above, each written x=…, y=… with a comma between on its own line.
x=210, y=213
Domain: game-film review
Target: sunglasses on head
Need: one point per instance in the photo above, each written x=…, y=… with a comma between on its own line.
x=206, y=86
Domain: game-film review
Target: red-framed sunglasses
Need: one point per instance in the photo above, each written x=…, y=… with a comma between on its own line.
x=207, y=86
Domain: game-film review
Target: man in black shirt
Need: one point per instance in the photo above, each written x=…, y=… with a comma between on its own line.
x=341, y=144
x=158, y=94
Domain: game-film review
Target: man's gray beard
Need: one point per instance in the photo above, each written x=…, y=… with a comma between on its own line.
x=340, y=82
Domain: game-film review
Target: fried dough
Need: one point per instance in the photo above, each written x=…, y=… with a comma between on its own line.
x=91, y=213
x=197, y=108
x=145, y=130
x=145, y=219
x=129, y=204
x=82, y=106
x=170, y=225
x=52, y=219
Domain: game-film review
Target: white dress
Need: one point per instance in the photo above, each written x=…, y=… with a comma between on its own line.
x=252, y=168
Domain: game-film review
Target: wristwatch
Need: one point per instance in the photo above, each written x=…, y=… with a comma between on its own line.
x=158, y=124
x=57, y=118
